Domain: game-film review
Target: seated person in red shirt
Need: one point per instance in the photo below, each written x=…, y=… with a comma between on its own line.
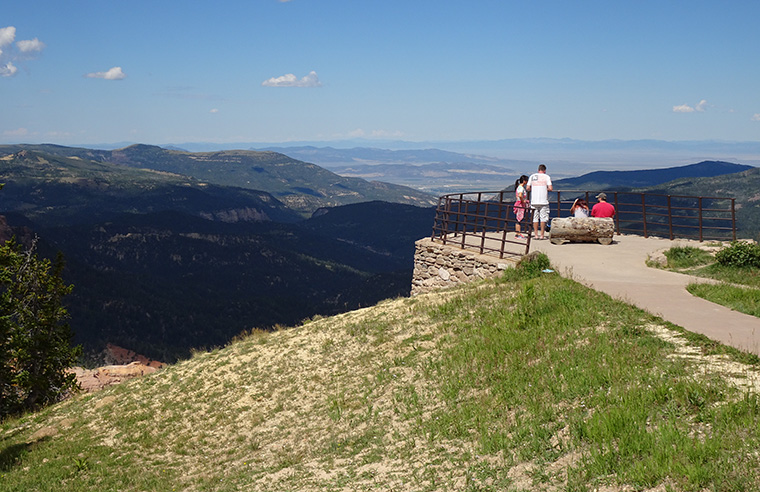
x=602, y=209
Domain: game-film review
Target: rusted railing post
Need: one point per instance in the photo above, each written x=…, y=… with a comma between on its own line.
x=733, y=217
x=463, y=221
x=457, y=216
x=504, y=225
x=700, y=220
x=644, y=213
x=530, y=222
x=449, y=211
x=485, y=226
x=670, y=219
x=437, y=216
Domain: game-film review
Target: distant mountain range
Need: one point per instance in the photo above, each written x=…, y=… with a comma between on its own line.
x=431, y=170
x=50, y=189
x=619, y=180
x=565, y=156
x=332, y=157
x=484, y=146
x=303, y=187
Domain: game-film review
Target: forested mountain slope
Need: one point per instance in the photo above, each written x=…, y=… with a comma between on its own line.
x=301, y=186
x=163, y=263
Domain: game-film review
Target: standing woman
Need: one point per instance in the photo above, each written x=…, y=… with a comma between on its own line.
x=521, y=203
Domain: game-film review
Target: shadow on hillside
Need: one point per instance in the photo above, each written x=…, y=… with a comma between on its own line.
x=11, y=456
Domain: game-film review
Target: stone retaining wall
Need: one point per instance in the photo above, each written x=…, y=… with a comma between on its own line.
x=439, y=266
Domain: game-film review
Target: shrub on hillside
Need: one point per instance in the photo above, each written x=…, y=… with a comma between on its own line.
x=35, y=339
x=739, y=254
x=532, y=265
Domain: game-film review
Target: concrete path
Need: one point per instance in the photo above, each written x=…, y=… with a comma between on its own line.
x=620, y=270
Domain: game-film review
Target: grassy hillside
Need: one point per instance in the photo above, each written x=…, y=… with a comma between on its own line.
x=528, y=382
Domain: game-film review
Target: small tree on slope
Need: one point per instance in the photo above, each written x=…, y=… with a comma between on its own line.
x=35, y=339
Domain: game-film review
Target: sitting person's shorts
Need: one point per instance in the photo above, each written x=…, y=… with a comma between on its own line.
x=540, y=213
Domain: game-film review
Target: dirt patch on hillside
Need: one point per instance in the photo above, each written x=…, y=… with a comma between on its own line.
x=740, y=375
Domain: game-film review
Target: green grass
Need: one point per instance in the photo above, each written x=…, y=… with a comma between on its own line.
x=687, y=257
x=627, y=401
x=744, y=300
x=527, y=382
x=732, y=275
x=729, y=292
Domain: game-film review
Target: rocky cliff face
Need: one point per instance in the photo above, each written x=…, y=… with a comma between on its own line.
x=91, y=380
x=124, y=364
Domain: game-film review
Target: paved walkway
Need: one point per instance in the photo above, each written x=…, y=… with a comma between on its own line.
x=619, y=270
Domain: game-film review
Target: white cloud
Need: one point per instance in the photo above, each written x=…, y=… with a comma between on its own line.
x=30, y=45
x=114, y=73
x=683, y=108
x=8, y=70
x=290, y=80
x=19, y=132
x=214, y=111
x=756, y=117
x=7, y=35
x=701, y=107
x=9, y=56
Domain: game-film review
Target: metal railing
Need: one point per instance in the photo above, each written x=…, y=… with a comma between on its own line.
x=480, y=221
x=671, y=216
x=484, y=220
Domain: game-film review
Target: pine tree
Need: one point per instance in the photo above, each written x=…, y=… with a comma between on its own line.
x=35, y=338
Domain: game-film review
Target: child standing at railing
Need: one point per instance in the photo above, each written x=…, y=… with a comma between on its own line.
x=521, y=203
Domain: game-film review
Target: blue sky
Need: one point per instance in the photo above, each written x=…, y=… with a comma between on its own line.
x=158, y=72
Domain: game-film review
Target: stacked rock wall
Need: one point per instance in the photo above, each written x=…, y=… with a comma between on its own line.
x=439, y=266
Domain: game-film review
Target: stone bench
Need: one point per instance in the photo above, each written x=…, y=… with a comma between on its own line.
x=582, y=229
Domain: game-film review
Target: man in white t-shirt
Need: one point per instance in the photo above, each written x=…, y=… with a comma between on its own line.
x=539, y=185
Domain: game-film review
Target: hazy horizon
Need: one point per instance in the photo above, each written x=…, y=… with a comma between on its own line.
x=565, y=156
